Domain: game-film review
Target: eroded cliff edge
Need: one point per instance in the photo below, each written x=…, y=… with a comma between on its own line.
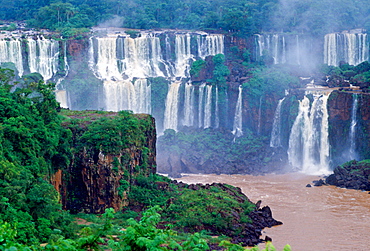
x=109, y=150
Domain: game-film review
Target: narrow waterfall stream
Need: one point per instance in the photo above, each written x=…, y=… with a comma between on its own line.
x=275, y=140
x=172, y=107
x=352, y=132
x=238, y=118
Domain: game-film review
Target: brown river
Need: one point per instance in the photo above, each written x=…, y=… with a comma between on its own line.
x=323, y=218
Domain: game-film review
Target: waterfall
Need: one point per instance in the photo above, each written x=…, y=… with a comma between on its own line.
x=11, y=51
x=172, y=107
x=183, y=55
x=308, y=142
x=275, y=140
x=125, y=95
x=238, y=120
x=352, y=132
x=352, y=48
x=211, y=44
x=217, y=119
x=201, y=105
x=283, y=48
x=142, y=57
x=189, y=105
x=43, y=57
x=208, y=107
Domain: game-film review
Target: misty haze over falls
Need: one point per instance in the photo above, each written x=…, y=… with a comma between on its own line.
x=150, y=73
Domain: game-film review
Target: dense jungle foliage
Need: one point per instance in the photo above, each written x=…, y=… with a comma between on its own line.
x=34, y=144
x=240, y=16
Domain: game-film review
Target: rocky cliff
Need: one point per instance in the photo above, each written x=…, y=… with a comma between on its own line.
x=340, y=106
x=109, y=151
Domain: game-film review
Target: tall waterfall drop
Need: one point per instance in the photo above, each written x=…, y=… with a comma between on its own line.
x=201, y=105
x=238, y=118
x=352, y=48
x=275, y=140
x=11, y=51
x=308, y=142
x=172, y=107
x=189, y=105
x=283, y=48
x=119, y=59
x=352, y=132
x=208, y=107
x=43, y=57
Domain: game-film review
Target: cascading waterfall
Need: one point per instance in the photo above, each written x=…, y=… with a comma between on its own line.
x=172, y=107
x=352, y=132
x=308, y=142
x=283, y=48
x=210, y=45
x=142, y=57
x=208, y=107
x=125, y=95
x=183, y=55
x=43, y=57
x=119, y=60
x=275, y=140
x=352, y=48
x=189, y=105
x=11, y=51
x=238, y=118
x=201, y=105
x=217, y=119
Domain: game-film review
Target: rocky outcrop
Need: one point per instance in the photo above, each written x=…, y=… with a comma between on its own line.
x=251, y=231
x=352, y=175
x=98, y=178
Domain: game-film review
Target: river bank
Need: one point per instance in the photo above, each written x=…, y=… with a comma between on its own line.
x=314, y=218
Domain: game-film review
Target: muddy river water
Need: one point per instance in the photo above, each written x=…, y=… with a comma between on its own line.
x=323, y=218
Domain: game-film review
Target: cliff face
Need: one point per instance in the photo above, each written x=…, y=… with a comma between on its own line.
x=100, y=176
x=340, y=106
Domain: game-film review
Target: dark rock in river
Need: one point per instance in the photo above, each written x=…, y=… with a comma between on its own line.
x=352, y=175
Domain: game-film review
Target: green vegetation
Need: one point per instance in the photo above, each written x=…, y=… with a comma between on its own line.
x=32, y=145
x=270, y=80
x=347, y=74
x=240, y=17
x=36, y=141
x=140, y=234
x=196, y=67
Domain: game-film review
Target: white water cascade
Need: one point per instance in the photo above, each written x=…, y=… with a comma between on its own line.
x=208, y=107
x=238, y=118
x=172, y=107
x=201, y=105
x=125, y=95
x=308, y=142
x=283, y=48
x=189, y=100
x=217, y=119
x=352, y=131
x=352, y=48
x=210, y=45
x=275, y=140
x=118, y=60
x=11, y=51
x=43, y=57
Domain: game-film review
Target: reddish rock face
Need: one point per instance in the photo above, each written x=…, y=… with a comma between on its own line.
x=340, y=105
x=95, y=180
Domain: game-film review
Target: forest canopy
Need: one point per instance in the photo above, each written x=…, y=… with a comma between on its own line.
x=238, y=16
